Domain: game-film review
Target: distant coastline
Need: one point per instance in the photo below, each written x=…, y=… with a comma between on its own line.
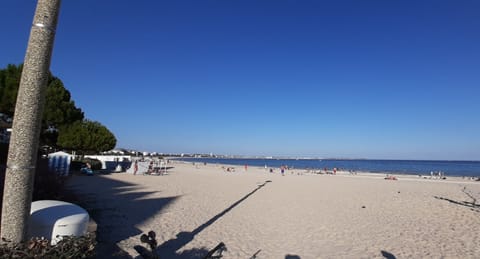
x=316, y=158
x=411, y=167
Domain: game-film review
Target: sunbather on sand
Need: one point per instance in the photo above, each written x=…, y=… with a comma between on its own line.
x=390, y=177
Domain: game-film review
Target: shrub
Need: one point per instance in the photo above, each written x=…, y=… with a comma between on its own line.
x=76, y=165
x=68, y=247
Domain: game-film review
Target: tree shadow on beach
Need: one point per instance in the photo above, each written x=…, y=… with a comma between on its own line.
x=168, y=248
x=472, y=205
x=116, y=208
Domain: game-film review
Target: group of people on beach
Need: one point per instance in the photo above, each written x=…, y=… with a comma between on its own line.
x=155, y=167
x=228, y=169
x=437, y=175
x=283, y=168
x=325, y=170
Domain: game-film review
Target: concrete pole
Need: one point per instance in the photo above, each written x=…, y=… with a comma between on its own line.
x=22, y=154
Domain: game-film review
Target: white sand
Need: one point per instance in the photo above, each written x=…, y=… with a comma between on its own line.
x=309, y=216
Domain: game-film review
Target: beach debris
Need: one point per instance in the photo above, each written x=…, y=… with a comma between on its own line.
x=218, y=250
x=470, y=195
x=363, y=207
x=387, y=255
x=39, y=247
x=254, y=256
x=149, y=239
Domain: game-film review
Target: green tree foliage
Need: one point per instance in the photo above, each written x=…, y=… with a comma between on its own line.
x=59, y=109
x=9, y=82
x=63, y=123
x=86, y=136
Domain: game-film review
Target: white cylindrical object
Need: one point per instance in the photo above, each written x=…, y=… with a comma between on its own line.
x=54, y=219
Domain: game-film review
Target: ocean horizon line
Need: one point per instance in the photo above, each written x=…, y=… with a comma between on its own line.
x=327, y=158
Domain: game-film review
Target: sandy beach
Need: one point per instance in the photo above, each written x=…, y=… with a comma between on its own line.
x=299, y=215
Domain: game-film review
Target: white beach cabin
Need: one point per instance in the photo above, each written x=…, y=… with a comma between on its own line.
x=59, y=162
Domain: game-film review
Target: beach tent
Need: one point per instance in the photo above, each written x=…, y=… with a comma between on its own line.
x=59, y=162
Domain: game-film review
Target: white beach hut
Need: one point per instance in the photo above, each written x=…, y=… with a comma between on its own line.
x=59, y=162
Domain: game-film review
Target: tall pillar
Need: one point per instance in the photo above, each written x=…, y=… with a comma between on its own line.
x=22, y=154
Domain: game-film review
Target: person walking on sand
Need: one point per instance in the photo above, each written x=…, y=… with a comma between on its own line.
x=246, y=167
x=135, y=167
x=282, y=169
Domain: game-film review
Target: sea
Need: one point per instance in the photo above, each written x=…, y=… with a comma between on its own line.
x=411, y=167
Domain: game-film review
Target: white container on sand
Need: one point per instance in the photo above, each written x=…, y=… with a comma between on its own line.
x=54, y=219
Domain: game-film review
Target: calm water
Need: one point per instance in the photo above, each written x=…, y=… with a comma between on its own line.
x=415, y=167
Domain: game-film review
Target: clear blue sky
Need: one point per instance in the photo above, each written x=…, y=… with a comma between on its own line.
x=356, y=79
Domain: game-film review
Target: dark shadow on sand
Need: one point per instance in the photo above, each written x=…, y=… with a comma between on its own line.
x=387, y=255
x=115, y=223
x=160, y=171
x=474, y=207
x=168, y=248
x=289, y=256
